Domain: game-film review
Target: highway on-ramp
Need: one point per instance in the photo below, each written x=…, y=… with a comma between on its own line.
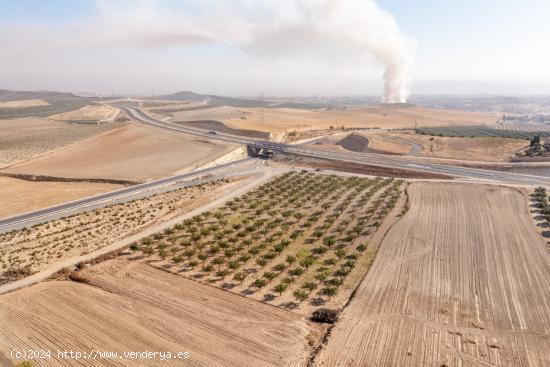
x=397, y=162
x=408, y=163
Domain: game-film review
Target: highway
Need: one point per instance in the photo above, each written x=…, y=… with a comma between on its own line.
x=397, y=162
x=101, y=200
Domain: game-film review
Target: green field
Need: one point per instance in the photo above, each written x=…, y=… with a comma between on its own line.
x=479, y=131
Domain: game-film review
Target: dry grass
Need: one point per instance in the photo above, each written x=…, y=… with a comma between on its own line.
x=25, y=138
x=198, y=113
x=462, y=280
x=382, y=141
x=19, y=196
x=286, y=120
x=94, y=112
x=43, y=245
x=132, y=152
x=128, y=306
x=475, y=149
x=24, y=103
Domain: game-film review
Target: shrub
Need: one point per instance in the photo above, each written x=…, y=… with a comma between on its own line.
x=296, y=271
x=300, y=295
x=325, y=315
x=288, y=280
x=329, y=291
x=262, y=262
x=270, y=275
x=233, y=265
x=239, y=277
x=279, y=267
x=259, y=283
x=280, y=288
x=134, y=247
x=310, y=286
x=306, y=262
x=222, y=273
x=340, y=253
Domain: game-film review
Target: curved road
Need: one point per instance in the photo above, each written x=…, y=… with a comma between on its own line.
x=54, y=212
x=408, y=163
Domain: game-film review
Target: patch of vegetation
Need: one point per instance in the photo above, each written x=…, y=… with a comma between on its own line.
x=293, y=240
x=325, y=315
x=541, y=200
x=479, y=131
x=57, y=104
x=536, y=149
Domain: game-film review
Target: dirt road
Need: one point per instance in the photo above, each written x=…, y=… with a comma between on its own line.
x=256, y=180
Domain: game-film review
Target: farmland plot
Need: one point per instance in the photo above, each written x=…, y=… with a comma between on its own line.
x=28, y=251
x=480, y=131
x=294, y=242
x=462, y=280
x=126, y=307
x=23, y=139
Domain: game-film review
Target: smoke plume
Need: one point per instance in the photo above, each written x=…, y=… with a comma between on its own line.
x=357, y=29
x=291, y=37
x=358, y=25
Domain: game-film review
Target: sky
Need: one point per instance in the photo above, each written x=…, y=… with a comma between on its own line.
x=276, y=47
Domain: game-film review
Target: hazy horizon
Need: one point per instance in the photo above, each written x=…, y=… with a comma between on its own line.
x=239, y=48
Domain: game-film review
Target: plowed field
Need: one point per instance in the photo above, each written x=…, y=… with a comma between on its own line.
x=462, y=280
x=129, y=306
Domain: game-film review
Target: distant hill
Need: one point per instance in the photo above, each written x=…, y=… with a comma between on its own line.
x=215, y=101
x=10, y=95
x=183, y=96
x=57, y=103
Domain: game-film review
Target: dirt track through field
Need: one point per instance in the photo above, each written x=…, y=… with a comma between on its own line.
x=129, y=306
x=462, y=280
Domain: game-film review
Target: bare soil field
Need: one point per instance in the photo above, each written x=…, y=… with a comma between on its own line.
x=25, y=138
x=132, y=152
x=354, y=142
x=28, y=251
x=19, y=196
x=462, y=280
x=388, y=142
x=297, y=242
x=475, y=149
x=93, y=112
x=287, y=120
x=24, y=103
x=201, y=113
x=213, y=125
x=122, y=306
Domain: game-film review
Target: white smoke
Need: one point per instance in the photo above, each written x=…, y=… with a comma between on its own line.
x=337, y=33
x=357, y=24
x=275, y=27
